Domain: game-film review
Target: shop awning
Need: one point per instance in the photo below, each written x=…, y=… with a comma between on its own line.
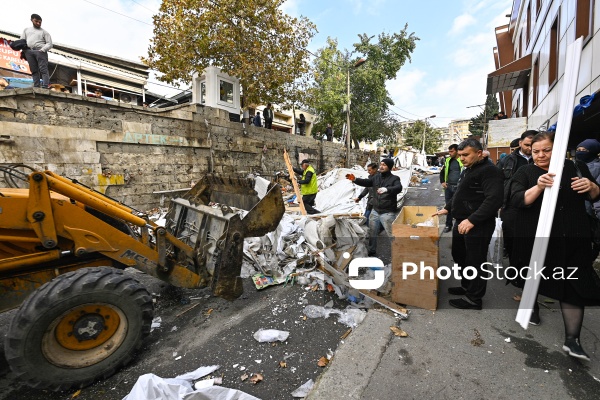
x=514, y=75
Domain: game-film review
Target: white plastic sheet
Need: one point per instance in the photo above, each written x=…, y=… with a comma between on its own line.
x=153, y=387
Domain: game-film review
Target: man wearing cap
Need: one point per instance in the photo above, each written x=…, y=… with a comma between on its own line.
x=385, y=204
x=308, y=186
x=39, y=42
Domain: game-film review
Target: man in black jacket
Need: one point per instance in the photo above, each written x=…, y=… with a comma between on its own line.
x=385, y=203
x=509, y=165
x=474, y=206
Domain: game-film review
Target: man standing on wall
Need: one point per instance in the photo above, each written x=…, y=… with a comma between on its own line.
x=449, y=179
x=268, y=116
x=39, y=42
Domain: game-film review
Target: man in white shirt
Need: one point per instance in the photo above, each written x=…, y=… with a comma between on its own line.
x=39, y=42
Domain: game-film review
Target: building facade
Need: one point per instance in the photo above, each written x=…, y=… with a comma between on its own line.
x=530, y=59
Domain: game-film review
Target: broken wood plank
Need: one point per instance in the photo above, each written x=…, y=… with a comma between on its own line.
x=339, y=215
x=343, y=262
x=288, y=163
x=386, y=303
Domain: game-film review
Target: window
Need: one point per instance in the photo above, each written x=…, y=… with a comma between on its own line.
x=553, y=61
x=528, y=33
x=203, y=93
x=584, y=20
x=538, y=7
x=520, y=45
x=536, y=82
x=226, y=91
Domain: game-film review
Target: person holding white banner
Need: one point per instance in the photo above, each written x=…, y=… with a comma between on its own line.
x=568, y=275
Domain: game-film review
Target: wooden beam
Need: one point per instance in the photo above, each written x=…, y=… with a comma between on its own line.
x=288, y=163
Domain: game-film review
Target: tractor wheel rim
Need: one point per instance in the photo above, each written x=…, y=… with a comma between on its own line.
x=84, y=335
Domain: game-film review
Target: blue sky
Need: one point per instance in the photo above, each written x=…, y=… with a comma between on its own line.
x=447, y=73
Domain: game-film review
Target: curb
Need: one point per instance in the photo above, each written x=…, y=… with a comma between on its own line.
x=355, y=360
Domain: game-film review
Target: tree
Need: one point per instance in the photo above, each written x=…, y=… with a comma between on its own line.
x=413, y=136
x=252, y=40
x=370, y=100
x=480, y=121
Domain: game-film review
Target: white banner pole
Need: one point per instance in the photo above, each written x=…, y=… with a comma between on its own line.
x=559, y=149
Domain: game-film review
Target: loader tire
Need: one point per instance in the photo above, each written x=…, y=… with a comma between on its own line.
x=77, y=328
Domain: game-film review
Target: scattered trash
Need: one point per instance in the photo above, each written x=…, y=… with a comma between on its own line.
x=255, y=378
x=155, y=323
x=350, y=317
x=174, y=328
x=323, y=361
x=507, y=340
x=303, y=390
x=258, y=361
x=478, y=340
x=517, y=297
x=208, y=383
x=77, y=393
x=178, y=358
x=282, y=364
x=244, y=377
x=270, y=335
x=398, y=332
x=261, y=281
x=152, y=387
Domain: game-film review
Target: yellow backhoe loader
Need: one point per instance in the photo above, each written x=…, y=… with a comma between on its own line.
x=63, y=248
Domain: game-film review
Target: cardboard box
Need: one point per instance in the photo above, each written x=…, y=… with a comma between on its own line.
x=418, y=245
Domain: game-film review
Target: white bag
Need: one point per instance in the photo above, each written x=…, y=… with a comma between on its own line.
x=496, y=247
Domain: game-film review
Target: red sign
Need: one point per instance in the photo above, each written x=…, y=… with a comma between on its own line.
x=10, y=59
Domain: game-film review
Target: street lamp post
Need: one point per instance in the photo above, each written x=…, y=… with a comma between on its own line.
x=348, y=137
x=424, y=130
x=483, y=135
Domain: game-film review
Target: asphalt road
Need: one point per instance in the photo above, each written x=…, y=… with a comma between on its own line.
x=222, y=337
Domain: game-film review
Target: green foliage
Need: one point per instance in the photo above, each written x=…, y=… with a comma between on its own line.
x=252, y=40
x=413, y=136
x=480, y=121
x=370, y=118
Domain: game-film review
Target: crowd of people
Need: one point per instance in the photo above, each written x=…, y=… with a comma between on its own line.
x=516, y=187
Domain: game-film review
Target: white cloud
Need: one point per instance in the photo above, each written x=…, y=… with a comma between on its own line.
x=460, y=23
x=404, y=89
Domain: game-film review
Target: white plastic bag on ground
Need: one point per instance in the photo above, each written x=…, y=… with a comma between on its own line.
x=270, y=335
x=303, y=390
x=496, y=247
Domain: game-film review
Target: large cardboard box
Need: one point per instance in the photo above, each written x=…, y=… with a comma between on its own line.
x=415, y=244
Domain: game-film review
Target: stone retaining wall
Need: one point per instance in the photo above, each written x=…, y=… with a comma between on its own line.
x=130, y=152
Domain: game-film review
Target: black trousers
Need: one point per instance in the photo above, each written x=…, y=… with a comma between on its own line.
x=268, y=123
x=38, y=64
x=471, y=249
x=309, y=203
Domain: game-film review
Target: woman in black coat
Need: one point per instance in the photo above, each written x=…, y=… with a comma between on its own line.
x=570, y=245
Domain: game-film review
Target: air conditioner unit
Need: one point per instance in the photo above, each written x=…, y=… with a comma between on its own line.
x=128, y=98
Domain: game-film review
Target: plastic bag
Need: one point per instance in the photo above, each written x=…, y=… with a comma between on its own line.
x=270, y=335
x=496, y=247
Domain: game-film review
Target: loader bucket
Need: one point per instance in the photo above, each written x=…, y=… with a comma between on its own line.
x=203, y=219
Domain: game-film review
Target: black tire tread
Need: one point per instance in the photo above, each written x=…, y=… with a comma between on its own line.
x=79, y=281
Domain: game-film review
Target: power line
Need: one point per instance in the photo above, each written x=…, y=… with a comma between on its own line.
x=141, y=5
x=116, y=12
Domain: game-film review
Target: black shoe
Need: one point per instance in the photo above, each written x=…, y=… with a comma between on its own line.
x=535, y=319
x=465, y=304
x=372, y=254
x=574, y=349
x=447, y=229
x=457, y=291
